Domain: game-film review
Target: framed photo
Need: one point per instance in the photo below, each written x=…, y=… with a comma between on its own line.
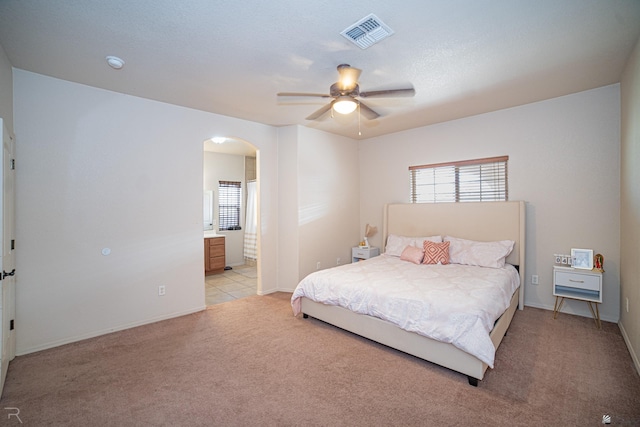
x=582, y=258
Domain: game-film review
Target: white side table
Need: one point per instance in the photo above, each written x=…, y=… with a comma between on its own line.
x=359, y=254
x=574, y=283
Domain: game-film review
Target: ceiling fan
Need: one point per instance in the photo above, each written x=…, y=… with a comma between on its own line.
x=345, y=93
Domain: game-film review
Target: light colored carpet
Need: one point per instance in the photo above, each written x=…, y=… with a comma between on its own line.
x=251, y=363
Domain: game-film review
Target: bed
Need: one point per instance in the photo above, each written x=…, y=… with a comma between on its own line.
x=481, y=222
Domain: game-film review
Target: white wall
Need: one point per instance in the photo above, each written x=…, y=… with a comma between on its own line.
x=227, y=167
x=100, y=169
x=630, y=205
x=319, y=180
x=288, y=239
x=6, y=90
x=328, y=199
x=563, y=161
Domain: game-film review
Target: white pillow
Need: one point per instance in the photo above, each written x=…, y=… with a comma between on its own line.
x=418, y=242
x=396, y=244
x=483, y=254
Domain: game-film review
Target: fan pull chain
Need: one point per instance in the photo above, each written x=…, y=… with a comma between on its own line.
x=359, y=133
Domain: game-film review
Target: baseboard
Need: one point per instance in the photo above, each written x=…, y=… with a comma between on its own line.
x=77, y=338
x=604, y=318
x=543, y=307
x=633, y=354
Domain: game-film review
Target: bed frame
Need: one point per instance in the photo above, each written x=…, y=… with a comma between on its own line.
x=482, y=221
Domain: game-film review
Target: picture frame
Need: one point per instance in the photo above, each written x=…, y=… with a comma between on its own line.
x=582, y=258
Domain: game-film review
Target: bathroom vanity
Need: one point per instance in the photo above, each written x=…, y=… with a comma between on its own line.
x=214, y=259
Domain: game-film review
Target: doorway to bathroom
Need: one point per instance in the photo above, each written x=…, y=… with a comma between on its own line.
x=230, y=214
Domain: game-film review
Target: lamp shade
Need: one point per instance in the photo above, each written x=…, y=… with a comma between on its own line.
x=369, y=230
x=344, y=105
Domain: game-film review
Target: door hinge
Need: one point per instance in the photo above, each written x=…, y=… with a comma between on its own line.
x=11, y=325
x=13, y=164
x=13, y=244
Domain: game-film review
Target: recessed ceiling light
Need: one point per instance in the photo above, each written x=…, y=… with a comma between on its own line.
x=115, y=62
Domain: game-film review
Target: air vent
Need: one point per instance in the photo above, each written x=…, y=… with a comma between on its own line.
x=367, y=31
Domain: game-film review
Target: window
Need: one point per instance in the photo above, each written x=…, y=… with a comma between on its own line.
x=477, y=180
x=229, y=205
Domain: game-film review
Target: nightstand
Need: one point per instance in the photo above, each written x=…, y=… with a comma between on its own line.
x=574, y=283
x=359, y=254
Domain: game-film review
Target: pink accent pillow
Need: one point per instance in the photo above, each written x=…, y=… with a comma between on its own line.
x=412, y=254
x=436, y=253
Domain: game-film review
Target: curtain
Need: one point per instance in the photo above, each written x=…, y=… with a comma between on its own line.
x=251, y=226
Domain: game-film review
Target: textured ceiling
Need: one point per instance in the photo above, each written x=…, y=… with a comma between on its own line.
x=464, y=57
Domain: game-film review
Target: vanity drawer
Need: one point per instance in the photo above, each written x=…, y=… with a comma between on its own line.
x=216, y=241
x=216, y=263
x=216, y=251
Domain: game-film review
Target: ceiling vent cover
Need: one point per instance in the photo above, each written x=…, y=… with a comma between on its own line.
x=367, y=31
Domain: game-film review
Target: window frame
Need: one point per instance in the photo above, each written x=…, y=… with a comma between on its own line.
x=496, y=188
x=229, y=205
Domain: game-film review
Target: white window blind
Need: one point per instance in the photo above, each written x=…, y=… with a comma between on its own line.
x=477, y=180
x=229, y=205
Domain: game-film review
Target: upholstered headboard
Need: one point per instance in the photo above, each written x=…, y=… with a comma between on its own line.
x=481, y=221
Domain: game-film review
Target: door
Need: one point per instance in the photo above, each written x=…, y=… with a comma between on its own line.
x=7, y=260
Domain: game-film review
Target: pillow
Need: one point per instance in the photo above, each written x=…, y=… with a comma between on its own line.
x=412, y=254
x=436, y=253
x=418, y=241
x=483, y=254
x=396, y=244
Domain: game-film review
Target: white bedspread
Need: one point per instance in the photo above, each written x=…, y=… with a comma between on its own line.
x=453, y=303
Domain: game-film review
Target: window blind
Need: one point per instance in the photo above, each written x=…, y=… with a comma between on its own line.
x=229, y=193
x=476, y=180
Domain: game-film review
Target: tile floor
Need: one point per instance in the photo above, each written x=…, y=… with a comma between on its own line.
x=239, y=282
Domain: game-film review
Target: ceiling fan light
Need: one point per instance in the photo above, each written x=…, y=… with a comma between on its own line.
x=344, y=105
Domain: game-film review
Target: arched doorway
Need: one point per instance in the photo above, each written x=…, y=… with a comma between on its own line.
x=231, y=183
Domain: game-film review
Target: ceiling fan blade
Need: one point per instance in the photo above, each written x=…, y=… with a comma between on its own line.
x=321, y=95
x=368, y=112
x=348, y=77
x=388, y=93
x=318, y=113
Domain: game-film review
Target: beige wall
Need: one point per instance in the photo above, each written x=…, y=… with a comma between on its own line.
x=6, y=90
x=630, y=206
x=100, y=169
x=563, y=161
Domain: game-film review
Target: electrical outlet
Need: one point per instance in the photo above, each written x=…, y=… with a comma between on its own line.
x=338, y=261
x=534, y=279
x=318, y=265
x=627, y=304
x=161, y=290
